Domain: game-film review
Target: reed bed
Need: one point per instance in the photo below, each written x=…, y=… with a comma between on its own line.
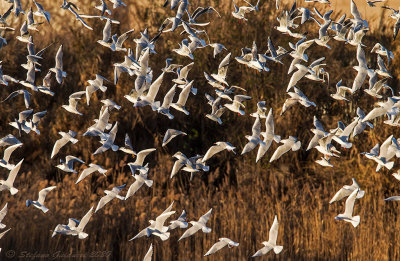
x=244, y=196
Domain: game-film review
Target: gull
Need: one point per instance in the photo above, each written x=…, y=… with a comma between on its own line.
x=323, y=35
x=140, y=179
x=382, y=70
x=298, y=75
x=41, y=12
x=58, y=69
x=149, y=253
x=191, y=165
x=288, y=144
x=393, y=198
x=213, y=82
x=5, y=161
x=73, y=102
x=4, y=79
x=184, y=50
x=109, y=142
x=66, y=137
x=299, y=49
x=8, y=184
x=92, y=168
x=362, y=70
x=254, y=139
x=240, y=12
x=151, y=95
x=140, y=157
x=46, y=84
x=317, y=70
x=30, y=78
x=325, y=162
x=107, y=37
x=342, y=137
x=396, y=175
x=237, y=104
x=21, y=123
x=170, y=67
x=357, y=20
x=3, y=213
x=372, y=3
x=381, y=50
x=305, y=14
x=66, y=229
x=341, y=28
x=110, y=104
x=168, y=98
x=348, y=212
x=145, y=43
x=68, y=165
x=70, y=6
x=157, y=227
x=384, y=107
x=271, y=243
x=95, y=85
x=268, y=136
x=340, y=94
x=217, y=48
x=346, y=191
x=395, y=15
x=25, y=93
x=34, y=122
x=319, y=133
x=379, y=155
x=32, y=25
x=78, y=231
x=183, y=96
x=110, y=195
x=180, y=222
x=170, y=134
x=40, y=202
x=274, y=56
x=355, y=36
x=8, y=140
x=261, y=109
x=361, y=125
x=103, y=8
x=101, y=124
x=199, y=12
x=117, y=3
x=120, y=40
x=216, y=111
x=218, y=147
x=101, y=17
x=128, y=149
x=24, y=34
x=223, y=242
x=222, y=70
x=18, y=8
x=197, y=225
x=183, y=74
x=376, y=86
x=4, y=17
x=296, y=97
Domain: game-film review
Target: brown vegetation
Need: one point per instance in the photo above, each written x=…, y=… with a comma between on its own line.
x=244, y=196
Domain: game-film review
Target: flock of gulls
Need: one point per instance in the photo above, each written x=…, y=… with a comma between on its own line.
x=228, y=98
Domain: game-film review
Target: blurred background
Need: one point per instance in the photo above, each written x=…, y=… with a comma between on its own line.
x=244, y=195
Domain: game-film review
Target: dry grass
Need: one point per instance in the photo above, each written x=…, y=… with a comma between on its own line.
x=244, y=196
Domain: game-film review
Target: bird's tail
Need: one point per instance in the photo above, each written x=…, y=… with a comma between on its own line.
x=149, y=183
x=13, y=191
x=355, y=221
x=278, y=249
